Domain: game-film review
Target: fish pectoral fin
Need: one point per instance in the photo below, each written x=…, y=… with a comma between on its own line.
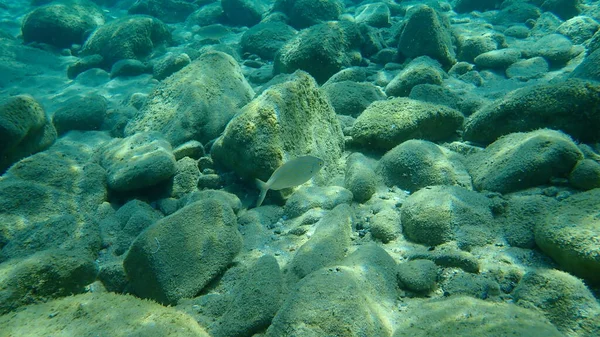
x=263, y=187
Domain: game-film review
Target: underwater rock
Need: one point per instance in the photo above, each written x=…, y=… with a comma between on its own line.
x=570, y=235
x=335, y=44
x=579, y=29
x=287, y=120
x=24, y=129
x=169, y=11
x=422, y=70
x=565, y=9
x=373, y=14
x=326, y=247
x=576, y=113
x=196, y=102
x=438, y=317
x=562, y=298
x=525, y=70
x=305, y=13
x=385, y=124
x=434, y=32
x=385, y=225
x=415, y=164
x=589, y=68
x=360, y=178
x=62, y=23
x=523, y=160
x=88, y=314
x=139, y=161
x=439, y=214
x=266, y=38
x=347, y=299
x=350, y=98
x=417, y=275
x=129, y=67
x=306, y=198
x=80, y=113
x=256, y=301
x=497, y=59
x=44, y=275
x=585, y=175
x=196, y=244
x=168, y=65
x=245, y=12
x=130, y=37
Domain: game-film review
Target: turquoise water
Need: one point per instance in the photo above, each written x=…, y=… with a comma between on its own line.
x=431, y=168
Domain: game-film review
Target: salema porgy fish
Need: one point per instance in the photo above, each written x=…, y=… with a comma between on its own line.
x=293, y=173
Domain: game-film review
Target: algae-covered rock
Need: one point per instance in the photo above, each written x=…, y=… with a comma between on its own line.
x=196, y=102
x=434, y=36
x=569, y=235
x=195, y=243
x=360, y=178
x=94, y=313
x=562, y=298
x=440, y=214
x=287, y=120
x=257, y=298
x=142, y=160
x=334, y=44
x=466, y=316
x=42, y=276
x=305, y=13
x=62, y=23
x=385, y=124
x=129, y=37
x=522, y=160
x=347, y=299
x=571, y=106
x=415, y=164
x=24, y=129
x=326, y=247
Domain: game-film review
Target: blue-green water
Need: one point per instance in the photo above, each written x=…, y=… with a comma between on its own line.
x=431, y=168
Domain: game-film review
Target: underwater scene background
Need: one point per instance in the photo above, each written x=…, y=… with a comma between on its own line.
x=323, y=168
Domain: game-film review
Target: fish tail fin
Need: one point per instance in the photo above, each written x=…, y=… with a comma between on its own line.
x=262, y=186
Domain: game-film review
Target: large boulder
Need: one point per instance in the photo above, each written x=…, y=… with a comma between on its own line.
x=62, y=23
x=563, y=299
x=415, y=164
x=523, y=160
x=266, y=38
x=130, y=37
x=87, y=314
x=435, y=215
x=569, y=235
x=169, y=11
x=305, y=13
x=142, y=160
x=385, y=124
x=287, y=120
x=434, y=36
x=572, y=106
x=44, y=275
x=24, y=129
x=321, y=50
x=439, y=317
x=180, y=254
x=590, y=67
x=346, y=299
x=196, y=102
x=244, y=12
x=47, y=200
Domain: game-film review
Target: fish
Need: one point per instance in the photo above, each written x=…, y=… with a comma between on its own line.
x=292, y=173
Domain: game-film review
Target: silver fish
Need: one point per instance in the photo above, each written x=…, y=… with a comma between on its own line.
x=293, y=173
